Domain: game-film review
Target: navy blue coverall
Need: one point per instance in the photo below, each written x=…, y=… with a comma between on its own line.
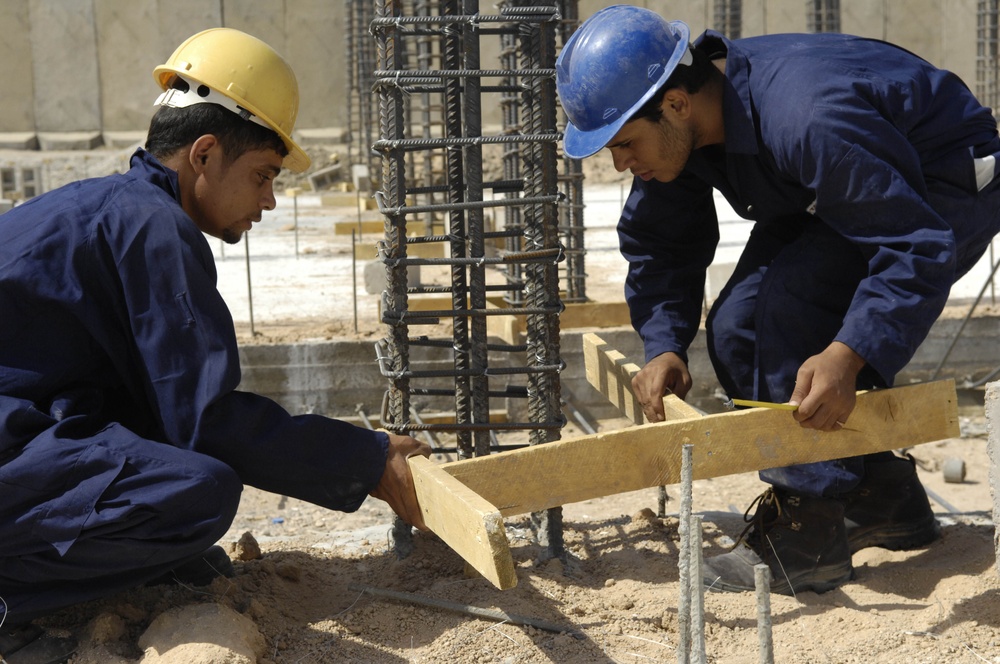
x=124, y=443
x=870, y=175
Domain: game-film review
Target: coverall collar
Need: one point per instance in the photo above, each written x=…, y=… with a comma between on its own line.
x=737, y=113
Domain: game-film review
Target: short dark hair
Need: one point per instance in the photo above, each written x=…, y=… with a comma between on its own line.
x=690, y=77
x=172, y=129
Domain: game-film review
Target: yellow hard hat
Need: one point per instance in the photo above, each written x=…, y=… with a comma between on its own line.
x=247, y=76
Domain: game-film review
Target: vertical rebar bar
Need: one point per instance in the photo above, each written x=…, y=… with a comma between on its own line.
x=391, y=123
x=698, y=652
x=684, y=559
x=762, y=583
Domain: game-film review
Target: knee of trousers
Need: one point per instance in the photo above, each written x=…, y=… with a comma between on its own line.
x=214, y=498
x=729, y=333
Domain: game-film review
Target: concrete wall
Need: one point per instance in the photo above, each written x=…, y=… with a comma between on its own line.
x=84, y=66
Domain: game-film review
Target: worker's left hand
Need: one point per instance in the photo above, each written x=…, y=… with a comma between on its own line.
x=396, y=485
x=825, y=388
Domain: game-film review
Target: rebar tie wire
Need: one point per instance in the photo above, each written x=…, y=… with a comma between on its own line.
x=398, y=210
x=523, y=15
x=387, y=370
x=388, y=145
x=553, y=256
x=386, y=421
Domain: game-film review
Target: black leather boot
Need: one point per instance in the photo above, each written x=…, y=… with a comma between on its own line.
x=801, y=538
x=889, y=508
x=29, y=644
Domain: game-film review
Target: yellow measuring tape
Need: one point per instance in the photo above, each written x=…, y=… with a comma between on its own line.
x=763, y=404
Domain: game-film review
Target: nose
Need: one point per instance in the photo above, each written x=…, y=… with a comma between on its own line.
x=622, y=160
x=267, y=201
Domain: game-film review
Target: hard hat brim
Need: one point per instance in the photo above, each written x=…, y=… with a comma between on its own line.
x=579, y=144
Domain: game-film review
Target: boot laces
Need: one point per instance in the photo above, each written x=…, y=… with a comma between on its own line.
x=768, y=512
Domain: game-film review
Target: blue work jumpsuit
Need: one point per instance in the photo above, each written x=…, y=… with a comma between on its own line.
x=124, y=443
x=870, y=175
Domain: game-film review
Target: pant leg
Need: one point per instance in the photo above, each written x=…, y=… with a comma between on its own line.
x=786, y=302
x=95, y=516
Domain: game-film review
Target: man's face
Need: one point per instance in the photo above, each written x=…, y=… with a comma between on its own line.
x=229, y=196
x=652, y=150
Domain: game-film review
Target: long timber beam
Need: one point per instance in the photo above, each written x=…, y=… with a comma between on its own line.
x=463, y=501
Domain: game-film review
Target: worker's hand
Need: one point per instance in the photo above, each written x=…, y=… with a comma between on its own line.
x=664, y=374
x=825, y=388
x=396, y=485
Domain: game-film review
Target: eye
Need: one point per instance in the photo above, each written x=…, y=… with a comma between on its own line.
x=264, y=177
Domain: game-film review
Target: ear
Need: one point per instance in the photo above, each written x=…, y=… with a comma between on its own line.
x=204, y=149
x=676, y=102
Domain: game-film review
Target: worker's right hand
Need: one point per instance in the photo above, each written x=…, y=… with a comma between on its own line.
x=396, y=485
x=664, y=374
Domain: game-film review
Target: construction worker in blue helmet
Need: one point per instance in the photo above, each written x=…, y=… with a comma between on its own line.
x=870, y=176
x=124, y=441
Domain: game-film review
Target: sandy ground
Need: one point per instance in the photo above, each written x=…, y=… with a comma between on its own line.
x=614, y=598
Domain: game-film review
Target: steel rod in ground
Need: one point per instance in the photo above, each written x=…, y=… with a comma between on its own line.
x=478, y=612
x=762, y=584
x=698, y=653
x=684, y=559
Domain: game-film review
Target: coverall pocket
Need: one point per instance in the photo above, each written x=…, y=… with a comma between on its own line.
x=50, y=489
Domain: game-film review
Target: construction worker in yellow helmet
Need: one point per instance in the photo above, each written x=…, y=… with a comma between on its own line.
x=124, y=443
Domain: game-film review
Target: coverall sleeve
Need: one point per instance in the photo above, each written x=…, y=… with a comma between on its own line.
x=185, y=349
x=869, y=187
x=668, y=233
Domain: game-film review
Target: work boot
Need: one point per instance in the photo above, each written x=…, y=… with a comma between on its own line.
x=29, y=644
x=801, y=538
x=889, y=508
x=200, y=570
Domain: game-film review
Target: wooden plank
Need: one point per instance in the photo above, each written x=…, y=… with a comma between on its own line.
x=471, y=526
x=611, y=373
x=674, y=408
x=594, y=314
x=572, y=470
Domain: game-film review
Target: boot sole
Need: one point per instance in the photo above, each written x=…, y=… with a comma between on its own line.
x=819, y=580
x=896, y=538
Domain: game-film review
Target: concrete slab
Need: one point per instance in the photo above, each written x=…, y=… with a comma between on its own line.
x=65, y=67
x=70, y=140
x=316, y=53
x=17, y=108
x=127, y=50
x=124, y=139
x=18, y=140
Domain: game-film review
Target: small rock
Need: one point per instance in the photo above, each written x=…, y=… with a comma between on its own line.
x=107, y=628
x=247, y=548
x=202, y=634
x=647, y=515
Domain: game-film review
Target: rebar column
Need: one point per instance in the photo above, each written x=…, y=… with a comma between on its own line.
x=474, y=269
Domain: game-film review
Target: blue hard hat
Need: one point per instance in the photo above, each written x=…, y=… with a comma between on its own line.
x=610, y=67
